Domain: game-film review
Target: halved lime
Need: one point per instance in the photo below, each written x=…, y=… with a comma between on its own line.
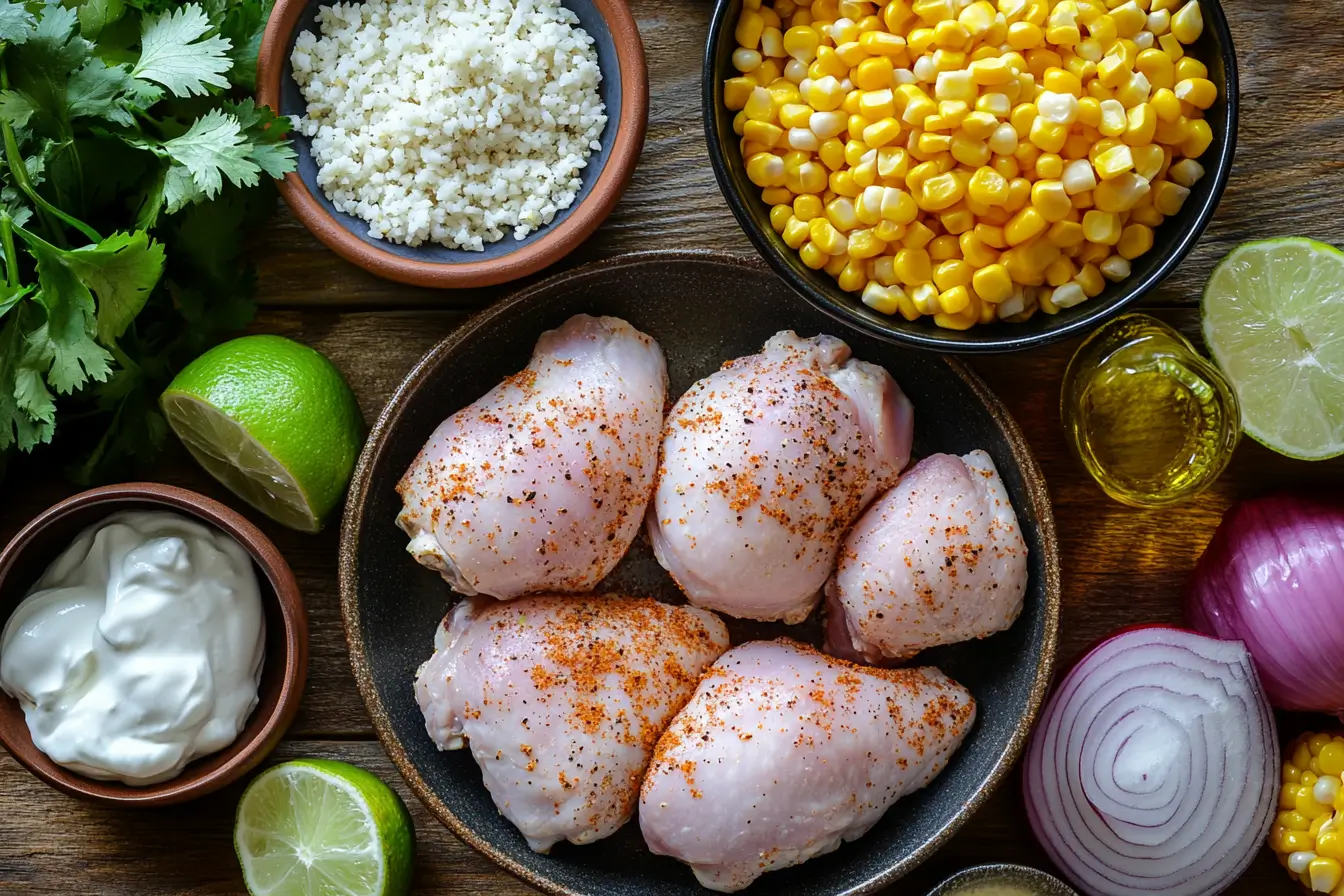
x=1274, y=321
x=314, y=827
x=274, y=421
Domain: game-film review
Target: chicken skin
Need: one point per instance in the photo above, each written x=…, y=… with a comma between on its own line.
x=783, y=753
x=938, y=559
x=561, y=701
x=541, y=485
x=765, y=464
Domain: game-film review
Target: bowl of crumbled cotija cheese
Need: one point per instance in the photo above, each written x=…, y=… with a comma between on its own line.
x=456, y=143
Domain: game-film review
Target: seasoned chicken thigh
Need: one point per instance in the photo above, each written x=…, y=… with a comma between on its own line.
x=765, y=464
x=541, y=484
x=783, y=753
x=561, y=700
x=940, y=558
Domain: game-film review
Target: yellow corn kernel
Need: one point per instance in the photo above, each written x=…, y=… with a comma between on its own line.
x=1188, y=24
x=826, y=238
x=991, y=235
x=953, y=61
x=918, y=108
x=1171, y=46
x=852, y=277
x=1019, y=194
x=915, y=177
x=1168, y=198
x=1114, y=162
x=766, y=74
x=957, y=221
x=811, y=178
x=978, y=18
x=876, y=104
x=993, y=284
x=1134, y=90
x=874, y=74
x=954, y=300
x=944, y=248
x=760, y=105
x=1083, y=200
x=1025, y=36
x=765, y=169
x=762, y=132
x=868, y=206
x=917, y=235
x=991, y=72
x=1090, y=280
x=1146, y=215
x=1098, y=254
x=1199, y=137
x=842, y=183
x=1166, y=106
x=1066, y=234
x=1021, y=269
x=832, y=154
x=1048, y=198
x=1325, y=874
x=950, y=35
x=1060, y=271
x=1047, y=135
x=1135, y=240
x=913, y=267
x=1140, y=125
x=924, y=296
x=952, y=113
x=883, y=44
x=988, y=187
x=1102, y=227
x=1022, y=118
x=962, y=321
x=824, y=94
x=1329, y=843
x=880, y=133
x=1025, y=226
x=1189, y=67
x=1148, y=160
x=865, y=173
x=864, y=244
x=1288, y=792
x=836, y=263
x=974, y=250
x=828, y=63
x=795, y=115
x=841, y=213
x=812, y=256
x=1058, y=80
x=1172, y=133
x=850, y=53
x=749, y=27
x=796, y=233
x=736, y=92
x=1157, y=67
x=1049, y=166
x=777, y=196
x=941, y=192
x=779, y=217
x=850, y=105
x=1121, y=193
x=739, y=122
x=971, y=153
x=772, y=42
x=978, y=125
x=893, y=162
x=931, y=144
x=806, y=207
x=1331, y=758
x=951, y=274
x=1129, y=19
x=1112, y=71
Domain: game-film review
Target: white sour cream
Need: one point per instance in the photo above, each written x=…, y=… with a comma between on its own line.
x=139, y=649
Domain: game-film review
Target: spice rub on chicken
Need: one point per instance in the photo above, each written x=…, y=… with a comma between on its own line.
x=561, y=701
x=541, y=484
x=765, y=465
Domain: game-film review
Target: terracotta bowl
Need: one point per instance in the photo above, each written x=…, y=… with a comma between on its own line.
x=624, y=90
x=1174, y=240
x=974, y=880
x=22, y=563
x=703, y=308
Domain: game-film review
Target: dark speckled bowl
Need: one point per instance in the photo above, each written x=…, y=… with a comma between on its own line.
x=624, y=91
x=971, y=881
x=703, y=308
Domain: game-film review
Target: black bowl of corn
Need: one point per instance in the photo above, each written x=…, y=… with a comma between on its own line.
x=971, y=176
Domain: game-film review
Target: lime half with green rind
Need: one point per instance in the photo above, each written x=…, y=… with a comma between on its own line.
x=1273, y=319
x=274, y=421
x=316, y=827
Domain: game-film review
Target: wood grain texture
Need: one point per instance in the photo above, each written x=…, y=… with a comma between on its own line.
x=1120, y=565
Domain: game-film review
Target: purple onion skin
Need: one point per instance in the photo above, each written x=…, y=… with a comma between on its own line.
x=1273, y=577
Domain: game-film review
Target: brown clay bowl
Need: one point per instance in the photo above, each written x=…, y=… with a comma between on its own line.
x=22, y=563
x=624, y=90
x=703, y=308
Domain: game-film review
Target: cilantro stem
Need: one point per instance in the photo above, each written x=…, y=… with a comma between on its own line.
x=11, y=256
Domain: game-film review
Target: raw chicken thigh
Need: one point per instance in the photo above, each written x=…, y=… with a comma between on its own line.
x=940, y=558
x=561, y=700
x=783, y=753
x=765, y=464
x=541, y=484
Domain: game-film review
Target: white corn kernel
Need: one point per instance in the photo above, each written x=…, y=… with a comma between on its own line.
x=1144, y=40
x=1186, y=172
x=1004, y=140
x=1298, y=861
x=1115, y=268
x=804, y=139
x=1159, y=23
x=1068, y=295
x=956, y=85
x=925, y=70
x=1015, y=304
x=996, y=104
x=1079, y=177
x=1060, y=108
x=903, y=76
x=880, y=298
x=826, y=124
x=1325, y=789
x=796, y=71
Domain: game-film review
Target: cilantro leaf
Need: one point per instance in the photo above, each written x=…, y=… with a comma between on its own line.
x=173, y=53
x=15, y=108
x=40, y=68
x=10, y=296
x=27, y=410
x=244, y=24
x=94, y=91
x=95, y=15
x=16, y=22
x=179, y=190
x=66, y=339
x=122, y=270
x=213, y=148
x=268, y=134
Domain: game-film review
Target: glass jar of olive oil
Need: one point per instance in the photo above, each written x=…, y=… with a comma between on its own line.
x=1151, y=420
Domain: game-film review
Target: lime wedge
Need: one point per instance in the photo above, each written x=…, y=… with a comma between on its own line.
x=274, y=421
x=1274, y=321
x=314, y=827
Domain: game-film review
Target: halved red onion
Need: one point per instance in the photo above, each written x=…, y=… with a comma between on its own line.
x=1152, y=768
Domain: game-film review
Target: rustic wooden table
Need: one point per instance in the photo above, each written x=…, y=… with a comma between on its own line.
x=1120, y=565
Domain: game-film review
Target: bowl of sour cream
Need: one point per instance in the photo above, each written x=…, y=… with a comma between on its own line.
x=153, y=645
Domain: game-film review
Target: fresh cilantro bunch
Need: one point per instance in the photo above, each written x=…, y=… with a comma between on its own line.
x=131, y=171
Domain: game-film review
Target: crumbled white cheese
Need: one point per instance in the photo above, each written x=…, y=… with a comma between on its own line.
x=450, y=121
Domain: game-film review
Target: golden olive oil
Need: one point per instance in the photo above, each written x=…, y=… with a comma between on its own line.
x=1151, y=420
